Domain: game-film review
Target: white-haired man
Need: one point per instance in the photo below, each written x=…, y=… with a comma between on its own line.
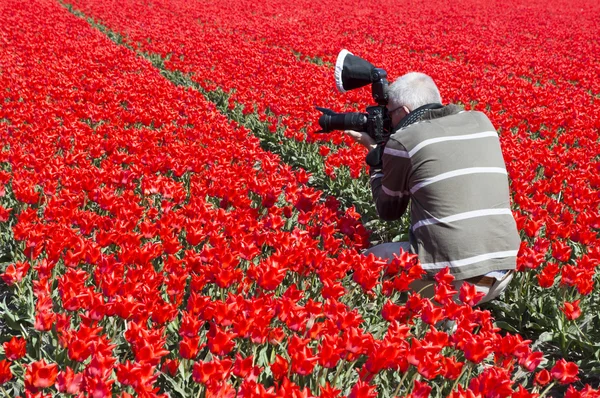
x=448, y=163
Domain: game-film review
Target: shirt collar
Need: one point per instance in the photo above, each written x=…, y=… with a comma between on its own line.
x=427, y=112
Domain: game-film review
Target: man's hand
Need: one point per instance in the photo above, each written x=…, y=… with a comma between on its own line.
x=363, y=139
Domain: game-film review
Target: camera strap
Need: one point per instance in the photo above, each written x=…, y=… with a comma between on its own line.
x=416, y=115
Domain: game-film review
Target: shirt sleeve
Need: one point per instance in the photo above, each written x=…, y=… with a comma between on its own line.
x=389, y=183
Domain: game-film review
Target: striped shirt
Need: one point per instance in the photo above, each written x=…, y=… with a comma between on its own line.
x=450, y=167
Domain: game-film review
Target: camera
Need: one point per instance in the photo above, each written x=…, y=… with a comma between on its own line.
x=353, y=72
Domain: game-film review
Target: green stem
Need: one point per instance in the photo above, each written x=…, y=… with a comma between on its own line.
x=416, y=376
x=525, y=285
x=350, y=367
x=464, y=369
x=349, y=295
x=4, y=391
x=38, y=345
x=397, y=390
x=547, y=389
x=563, y=337
x=583, y=334
x=319, y=379
x=337, y=373
x=325, y=376
x=19, y=290
x=254, y=348
x=425, y=287
x=468, y=376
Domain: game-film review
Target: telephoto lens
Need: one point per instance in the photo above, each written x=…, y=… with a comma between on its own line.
x=331, y=120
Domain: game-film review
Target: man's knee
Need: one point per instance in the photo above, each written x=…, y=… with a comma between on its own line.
x=496, y=290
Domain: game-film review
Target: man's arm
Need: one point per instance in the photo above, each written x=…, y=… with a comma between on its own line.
x=389, y=184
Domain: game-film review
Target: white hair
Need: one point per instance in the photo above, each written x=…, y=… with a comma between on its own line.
x=413, y=90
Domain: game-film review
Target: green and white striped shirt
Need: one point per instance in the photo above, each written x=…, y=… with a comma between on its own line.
x=450, y=167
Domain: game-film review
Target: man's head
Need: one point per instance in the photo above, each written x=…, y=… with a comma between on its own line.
x=410, y=92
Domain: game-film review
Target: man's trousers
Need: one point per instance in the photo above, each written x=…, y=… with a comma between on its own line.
x=426, y=287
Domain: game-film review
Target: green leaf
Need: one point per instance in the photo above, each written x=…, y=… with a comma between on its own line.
x=543, y=338
x=506, y=326
x=175, y=385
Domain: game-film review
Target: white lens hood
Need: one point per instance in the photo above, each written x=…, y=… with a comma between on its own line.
x=339, y=68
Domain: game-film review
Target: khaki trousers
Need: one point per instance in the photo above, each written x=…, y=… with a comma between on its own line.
x=426, y=287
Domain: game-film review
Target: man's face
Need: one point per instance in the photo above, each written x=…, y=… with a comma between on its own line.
x=397, y=113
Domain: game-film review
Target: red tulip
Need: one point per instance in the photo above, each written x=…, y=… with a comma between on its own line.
x=14, y=349
x=40, y=374
x=15, y=273
x=572, y=310
x=469, y=294
x=69, y=382
x=5, y=372
x=542, y=377
x=565, y=372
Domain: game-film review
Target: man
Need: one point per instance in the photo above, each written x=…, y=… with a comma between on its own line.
x=448, y=163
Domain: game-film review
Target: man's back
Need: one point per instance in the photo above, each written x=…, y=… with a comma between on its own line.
x=454, y=173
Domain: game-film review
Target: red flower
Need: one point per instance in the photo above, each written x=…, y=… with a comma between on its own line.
x=476, y=349
x=4, y=213
x=420, y=390
x=15, y=348
x=203, y=371
x=219, y=341
x=572, y=310
x=363, y=390
x=469, y=294
x=548, y=274
x=79, y=350
x=523, y=393
x=279, y=368
x=531, y=361
x=565, y=372
x=492, y=382
x=444, y=276
x=327, y=391
x=188, y=347
x=150, y=353
x=542, y=377
x=15, y=273
x=302, y=357
x=431, y=314
x=461, y=393
x=329, y=352
x=170, y=366
x=242, y=367
x=271, y=274
x=452, y=368
x=190, y=325
x=561, y=251
x=206, y=372
x=69, y=382
x=444, y=293
x=324, y=150
x=5, y=373
x=40, y=374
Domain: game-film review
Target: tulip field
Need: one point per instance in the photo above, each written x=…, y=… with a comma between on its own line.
x=172, y=224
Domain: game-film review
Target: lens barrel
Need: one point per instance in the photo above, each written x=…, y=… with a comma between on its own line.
x=344, y=121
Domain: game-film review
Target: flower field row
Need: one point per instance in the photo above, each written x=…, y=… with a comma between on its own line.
x=549, y=131
x=534, y=40
x=537, y=85
x=156, y=249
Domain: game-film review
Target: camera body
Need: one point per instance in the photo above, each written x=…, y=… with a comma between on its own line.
x=353, y=72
